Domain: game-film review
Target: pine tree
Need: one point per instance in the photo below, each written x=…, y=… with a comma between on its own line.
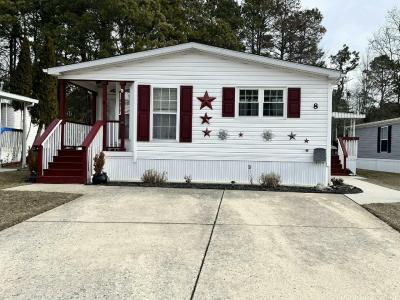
x=21, y=78
x=45, y=87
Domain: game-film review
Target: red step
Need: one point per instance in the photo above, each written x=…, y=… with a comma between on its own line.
x=56, y=172
x=70, y=152
x=61, y=179
x=65, y=158
x=66, y=165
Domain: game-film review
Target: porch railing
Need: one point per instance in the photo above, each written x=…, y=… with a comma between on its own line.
x=347, y=148
x=113, y=135
x=48, y=145
x=92, y=145
x=75, y=133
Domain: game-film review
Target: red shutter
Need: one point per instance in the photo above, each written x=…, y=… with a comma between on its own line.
x=294, y=103
x=228, y=102
x=143, y=114
x=186, y=111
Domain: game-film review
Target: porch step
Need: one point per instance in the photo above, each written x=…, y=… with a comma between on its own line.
x=65, y=158
x=60, y=179
x=66, y=172
x=66, y=165
x=70, y=152
x=336, y=167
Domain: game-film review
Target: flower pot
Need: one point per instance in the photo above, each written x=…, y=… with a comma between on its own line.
x=32, y=177
x=100, y=179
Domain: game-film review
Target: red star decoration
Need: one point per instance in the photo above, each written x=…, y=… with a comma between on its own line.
x=205, y=119
x=306, y=140
x=206, y=101
x=207, y=132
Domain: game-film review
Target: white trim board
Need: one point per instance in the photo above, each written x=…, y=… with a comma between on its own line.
x=330, y=73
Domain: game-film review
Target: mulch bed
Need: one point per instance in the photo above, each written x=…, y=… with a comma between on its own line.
x=342, y=189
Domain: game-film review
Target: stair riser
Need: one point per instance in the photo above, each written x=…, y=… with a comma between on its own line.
x=70, y=153
x=67, y=159
x=65, y=166
x=55, y=172
x=60, y=179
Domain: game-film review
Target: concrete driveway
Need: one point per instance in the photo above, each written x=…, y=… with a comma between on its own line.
x=149, y=243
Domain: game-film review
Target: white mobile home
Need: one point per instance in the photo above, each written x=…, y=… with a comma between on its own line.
x=214, y=114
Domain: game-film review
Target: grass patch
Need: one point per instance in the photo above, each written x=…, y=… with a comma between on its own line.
x=389, y=180
x=387, y=212
x=18, y=206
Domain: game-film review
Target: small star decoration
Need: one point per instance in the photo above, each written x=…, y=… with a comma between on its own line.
x=207, y=132
x=241, y=134
x=206, y=101
x=292, y=136
x=306, y=140
x=205, y=119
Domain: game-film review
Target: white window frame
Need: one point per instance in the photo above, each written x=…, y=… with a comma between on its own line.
x=382, y=139
x=261, y=101
x=178, y=97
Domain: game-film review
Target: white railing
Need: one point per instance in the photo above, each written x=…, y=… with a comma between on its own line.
x=96, y=146
x=112, y=134
x=352, y=147
x=342, y=157
x=75, y=133
x=51, y=145
x=10, y=146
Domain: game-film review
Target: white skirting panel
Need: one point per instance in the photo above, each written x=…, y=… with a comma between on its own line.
x=383, y=165
x=123, y=168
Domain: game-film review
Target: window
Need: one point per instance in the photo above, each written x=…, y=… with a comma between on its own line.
x=248, y=103
x=273, y=103
x=164, y=113
x=384, y=139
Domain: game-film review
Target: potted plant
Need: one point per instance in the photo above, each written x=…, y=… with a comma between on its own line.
x=31, y=161
x=99, y=177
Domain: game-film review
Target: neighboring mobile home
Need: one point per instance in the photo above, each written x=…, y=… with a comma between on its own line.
x=379, y=146
x=213, y=114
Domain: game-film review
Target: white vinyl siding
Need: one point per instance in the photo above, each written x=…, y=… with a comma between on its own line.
x=211, y=73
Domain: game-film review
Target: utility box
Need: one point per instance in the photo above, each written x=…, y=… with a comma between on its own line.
x=319, y=155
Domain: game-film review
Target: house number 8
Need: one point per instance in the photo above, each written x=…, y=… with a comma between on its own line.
x=315, y=105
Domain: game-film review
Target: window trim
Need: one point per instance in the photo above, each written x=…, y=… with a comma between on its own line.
x=382, y=139
x=261, y=101
x=178, y=96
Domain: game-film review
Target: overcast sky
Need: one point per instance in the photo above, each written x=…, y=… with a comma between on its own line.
x=350, y=22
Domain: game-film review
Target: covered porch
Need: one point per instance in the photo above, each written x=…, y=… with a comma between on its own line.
x=68, y=145
x=344, y=143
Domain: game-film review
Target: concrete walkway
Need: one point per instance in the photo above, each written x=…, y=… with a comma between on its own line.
x=372, y=193
x=150, y=243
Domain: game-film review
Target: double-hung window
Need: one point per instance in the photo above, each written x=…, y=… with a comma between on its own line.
x=248, y=102
x=164, y=113
x=273, y=103
x=262, y=102
x=384, y=139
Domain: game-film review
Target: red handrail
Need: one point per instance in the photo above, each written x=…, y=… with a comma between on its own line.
x=92, y=134
x=87, y=142
x=39, y=141
x=345, y=153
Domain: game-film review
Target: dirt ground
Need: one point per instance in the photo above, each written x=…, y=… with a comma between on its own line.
x=17, y=206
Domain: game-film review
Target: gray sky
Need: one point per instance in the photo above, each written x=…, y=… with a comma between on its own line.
x=350, y=22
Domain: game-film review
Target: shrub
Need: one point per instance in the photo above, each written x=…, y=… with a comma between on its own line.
x=154, y=177
x=99, y=162
x=269, y=180
x=337, y=181
x=188, y=179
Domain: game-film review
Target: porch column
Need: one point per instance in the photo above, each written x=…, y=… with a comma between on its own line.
x=104, y=111
x=122, y=115
x=94, y=107
x=61, y=97
x=61, y=103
